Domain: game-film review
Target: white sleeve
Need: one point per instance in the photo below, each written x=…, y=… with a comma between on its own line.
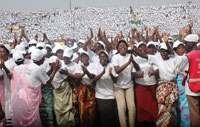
x=42, y=75
x=182, y=64
x=114, y=61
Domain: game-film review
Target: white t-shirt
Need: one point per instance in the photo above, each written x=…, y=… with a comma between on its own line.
x=145, y=67
x=124, y=79
x=36, y=74
x=104, y=86
x=93, y=56
x=85, y=79
x=166, y=68
x=58, y=78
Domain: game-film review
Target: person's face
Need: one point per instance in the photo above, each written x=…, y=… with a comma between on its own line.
x=59, y=54
x=122, y=48
x=27, y=56
x=48, y=51
x=80, y=44
x=41, y=61
x=85, y=59
x=189, y=46
x=180, y=50
x=142, y=49
x=67, y=60
x=114, y=44
x=69, y=43
x=3, y=54
x=151, y=49
x=164, y=54
x=103, y=59
x=98, y=47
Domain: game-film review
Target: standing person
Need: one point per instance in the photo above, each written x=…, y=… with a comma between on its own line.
x=104, y=91
x=65, y=106
x=124, y=64
x=26, y=90
x=6, y=64
x=182, y=105
x=2, y=107
x=166, y=91
x=145, y=90
x=86, y=92
x=190, y=63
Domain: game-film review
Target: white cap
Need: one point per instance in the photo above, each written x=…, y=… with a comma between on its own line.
x=7, y=47
x=57, y=47
x=18, y=56
x=24, y=43
x=140, y=43
x=177, y=43
x=41, y=44
x=198, y=44
x=36, y=55
x=81, y=51
x=53, y=59
x=81, y=41
x=68, y=52
x=20, y=48
x=163, y=46
x=102, y=51
x=31, y=49
x=101, y=42
x=44, y=51
x=151, y=43
x=192, y=38
x=49, y=46
x=32, y=42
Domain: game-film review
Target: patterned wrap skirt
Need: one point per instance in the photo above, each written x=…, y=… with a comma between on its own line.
x=167, y=96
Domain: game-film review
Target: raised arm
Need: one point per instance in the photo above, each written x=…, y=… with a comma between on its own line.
x=85, y=45
x=119, y=69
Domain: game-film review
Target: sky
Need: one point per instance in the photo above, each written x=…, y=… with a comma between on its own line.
x=36, y=5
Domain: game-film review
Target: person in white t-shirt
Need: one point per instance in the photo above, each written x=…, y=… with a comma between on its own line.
x=167, y=75
x=7, y=64
x=182, y=105
x=65, y=94
x=124, y=64
x=105, y=78
x=86, y=92
x=145, y=89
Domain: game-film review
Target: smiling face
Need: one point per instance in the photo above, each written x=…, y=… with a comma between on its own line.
x=103, y=59
x=122, y=48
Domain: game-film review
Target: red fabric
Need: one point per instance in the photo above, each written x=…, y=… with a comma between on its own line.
x=87, y=104
x=194, y=70
x=147, y=107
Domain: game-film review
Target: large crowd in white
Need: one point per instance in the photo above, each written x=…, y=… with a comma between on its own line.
x=75, y=23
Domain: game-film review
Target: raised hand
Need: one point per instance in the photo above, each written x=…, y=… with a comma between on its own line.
x=165, y=36
x=91, y=32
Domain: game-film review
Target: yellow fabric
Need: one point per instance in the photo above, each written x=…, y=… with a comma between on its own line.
x=63, y=105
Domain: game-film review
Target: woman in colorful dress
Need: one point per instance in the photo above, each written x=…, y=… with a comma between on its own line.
x=86, y=92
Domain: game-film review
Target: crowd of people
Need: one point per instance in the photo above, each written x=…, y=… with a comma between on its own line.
x=132, y=80
x=76, y=22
